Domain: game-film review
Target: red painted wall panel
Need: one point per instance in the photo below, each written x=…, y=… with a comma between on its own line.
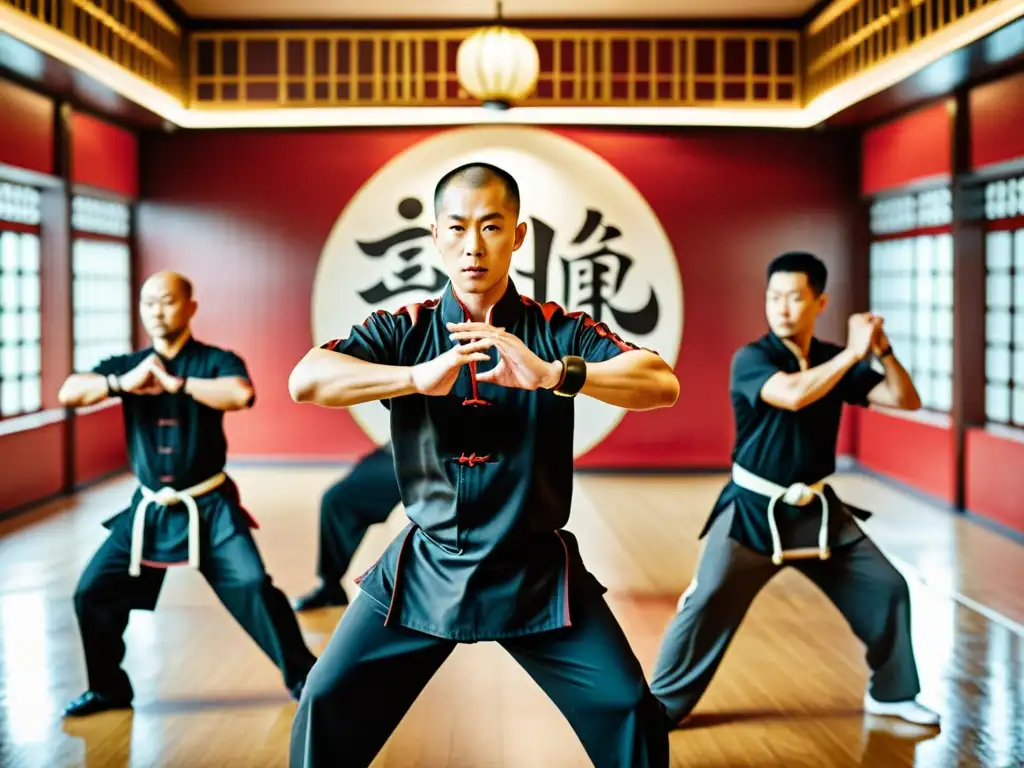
x=26, y=128
x=921, y=455
x=997, y=117
x=104, y=156
x=99, y=444
x=913, y=147
x=995, y=478
x=246, y=215
x=30, y=466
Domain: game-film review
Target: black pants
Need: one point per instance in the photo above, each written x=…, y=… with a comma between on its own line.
x=369, y=675
x=106, y=594
x=858, y=579
x=364, y=497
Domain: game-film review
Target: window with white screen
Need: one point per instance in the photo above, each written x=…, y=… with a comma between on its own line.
x=102, y=287
x=912, y=289
x=20, y=311
x=1004, y=303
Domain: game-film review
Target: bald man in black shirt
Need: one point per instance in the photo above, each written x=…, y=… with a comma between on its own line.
x=788, y=389
x=186, y=510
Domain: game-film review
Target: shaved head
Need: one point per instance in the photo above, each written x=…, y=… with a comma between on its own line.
x=166, y=281
x=477, y=176
x=166, y=305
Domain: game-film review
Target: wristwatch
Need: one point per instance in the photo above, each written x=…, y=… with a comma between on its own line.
x=574, y=376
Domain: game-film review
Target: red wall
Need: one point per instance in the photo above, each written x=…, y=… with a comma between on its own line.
x=26, y=129
x=911, y=148
x=30, y=465
x=246, y=215
x=995, y=478
x=104, y=156
x=996, y=113
x=918, y=454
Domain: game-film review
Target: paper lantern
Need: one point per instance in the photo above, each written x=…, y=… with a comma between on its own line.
x=498, y=65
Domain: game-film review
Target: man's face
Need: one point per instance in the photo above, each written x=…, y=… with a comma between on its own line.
x=164, y=309
x=790, y=305
x=476, y=233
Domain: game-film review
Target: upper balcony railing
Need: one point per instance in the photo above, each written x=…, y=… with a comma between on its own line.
x=852, y=36
x=627, y=67
x=135, y=34
x=417, y=68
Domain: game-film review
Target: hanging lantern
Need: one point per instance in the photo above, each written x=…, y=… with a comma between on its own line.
x=498, y=65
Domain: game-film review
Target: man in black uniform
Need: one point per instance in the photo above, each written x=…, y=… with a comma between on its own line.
x=788, y=389
x=365, y=496
x=186, y=510
x=484, y=460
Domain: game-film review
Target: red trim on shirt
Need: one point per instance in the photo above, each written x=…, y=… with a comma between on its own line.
x=550, y=308
x=413, y=310
x=475, y=399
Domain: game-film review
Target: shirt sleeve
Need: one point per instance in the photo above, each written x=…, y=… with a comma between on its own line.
x=752, y=366
x=230, y=364
x=117, y=365
x=375, y=341
x=860, y=380
x=578, y=334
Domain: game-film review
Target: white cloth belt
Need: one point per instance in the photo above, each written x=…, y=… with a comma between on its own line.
x=799, y=495
x=167, y=497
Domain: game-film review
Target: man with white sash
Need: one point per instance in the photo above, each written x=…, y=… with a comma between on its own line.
x=186, y=510
x=788, y=389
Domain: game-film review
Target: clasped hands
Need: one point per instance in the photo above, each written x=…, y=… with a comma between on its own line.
x=150, y=378
x=517, y=367
x=865, y=334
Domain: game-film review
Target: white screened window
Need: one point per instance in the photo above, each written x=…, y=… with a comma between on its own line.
x=20, y=205
x=1004, y=327
x=912, y=288
x=20, y=321
x=102, y=288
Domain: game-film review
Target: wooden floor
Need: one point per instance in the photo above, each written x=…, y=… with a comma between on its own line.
x=788, y=693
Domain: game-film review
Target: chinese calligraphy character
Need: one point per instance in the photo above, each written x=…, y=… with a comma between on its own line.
x=407, y=244
x=591, y=280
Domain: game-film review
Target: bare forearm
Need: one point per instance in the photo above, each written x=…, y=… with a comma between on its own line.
x=335, y=380
x=223, y=394
x=901, y=392
x=81, y=389
x=636, y=381
x=794, y=391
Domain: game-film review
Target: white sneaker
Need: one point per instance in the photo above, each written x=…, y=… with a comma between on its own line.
x=909, y=710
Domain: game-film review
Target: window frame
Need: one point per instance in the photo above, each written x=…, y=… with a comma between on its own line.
x=84, y=230
x=1004, y=213
x=26, y=219
x=902, y=216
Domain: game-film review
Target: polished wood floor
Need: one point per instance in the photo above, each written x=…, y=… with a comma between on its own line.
x=788, y=694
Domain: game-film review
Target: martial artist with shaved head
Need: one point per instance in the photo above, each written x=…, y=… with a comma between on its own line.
x=185, y=511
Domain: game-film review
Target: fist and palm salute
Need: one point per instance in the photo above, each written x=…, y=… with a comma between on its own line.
x=517, y=367
x=149, y=378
